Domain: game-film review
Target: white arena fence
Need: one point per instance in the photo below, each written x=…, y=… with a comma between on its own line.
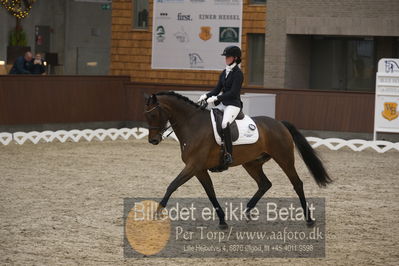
x=139, y=133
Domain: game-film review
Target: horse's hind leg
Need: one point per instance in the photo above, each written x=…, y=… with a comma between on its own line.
x=206, y=182
x=287, y=163
x=254, y=169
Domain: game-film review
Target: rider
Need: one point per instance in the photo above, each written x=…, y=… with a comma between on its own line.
x=226, y=96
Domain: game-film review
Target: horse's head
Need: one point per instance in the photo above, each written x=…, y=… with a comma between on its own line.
x=157, y=118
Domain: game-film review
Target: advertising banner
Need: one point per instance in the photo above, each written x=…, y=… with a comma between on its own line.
x=387, y=97
x=191, y=34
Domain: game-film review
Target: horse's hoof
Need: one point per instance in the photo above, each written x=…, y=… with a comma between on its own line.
x=310, y=223
x=223, y=226
x=158, y=215
x=248, y=217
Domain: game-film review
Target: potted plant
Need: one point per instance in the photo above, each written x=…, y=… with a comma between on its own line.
x=17, y=44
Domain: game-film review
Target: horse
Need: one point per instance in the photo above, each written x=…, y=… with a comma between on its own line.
x=200, y=152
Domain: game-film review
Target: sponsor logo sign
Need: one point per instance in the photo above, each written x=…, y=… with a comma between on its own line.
x=160, y=33
x=163, y=15
x=387, y=97
x=391, y=66
x=227, y=2
x=182, y=36
x=205, y=33
x=390, y=111
x=218, y=17
x=195, y=60
x=229, y=34
x=183, y=17
x=202, y=28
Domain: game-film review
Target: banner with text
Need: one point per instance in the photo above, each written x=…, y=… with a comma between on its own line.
x=188, y=228
x=191, y=34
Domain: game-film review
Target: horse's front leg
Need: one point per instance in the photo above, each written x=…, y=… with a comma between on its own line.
x=206, y=182
x=186, y=174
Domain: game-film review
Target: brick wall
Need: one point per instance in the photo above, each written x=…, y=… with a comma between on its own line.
x=131, y=49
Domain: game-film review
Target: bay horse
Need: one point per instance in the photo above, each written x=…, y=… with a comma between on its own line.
x=200, y=152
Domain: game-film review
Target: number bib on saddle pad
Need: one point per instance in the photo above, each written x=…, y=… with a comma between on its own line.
x=243, y=131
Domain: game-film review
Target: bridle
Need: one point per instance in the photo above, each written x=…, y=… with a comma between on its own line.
x=161, y=130
x=203, y=105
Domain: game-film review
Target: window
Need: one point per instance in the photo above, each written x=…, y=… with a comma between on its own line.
x=342, y=64
x=397, y=48
x=360, y=65
x=257, y=2
x=256, y=53
x=140, y=14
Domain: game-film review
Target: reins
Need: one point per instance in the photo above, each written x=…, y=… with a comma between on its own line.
x=202, y=106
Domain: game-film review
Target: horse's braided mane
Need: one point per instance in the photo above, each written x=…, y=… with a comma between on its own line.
x=178, y=96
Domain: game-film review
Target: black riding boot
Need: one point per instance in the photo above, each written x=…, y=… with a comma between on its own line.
x=227, y=159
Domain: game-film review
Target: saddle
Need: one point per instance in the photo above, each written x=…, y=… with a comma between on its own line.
x=218, y=114
x=243, y=130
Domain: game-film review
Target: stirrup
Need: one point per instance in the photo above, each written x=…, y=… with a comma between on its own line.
x=227, y=159
x=224, y=165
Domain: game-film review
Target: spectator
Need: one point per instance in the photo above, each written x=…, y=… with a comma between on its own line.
x=38, y=65
x=23, y=64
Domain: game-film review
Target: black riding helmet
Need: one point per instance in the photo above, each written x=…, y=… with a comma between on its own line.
x=233, y=50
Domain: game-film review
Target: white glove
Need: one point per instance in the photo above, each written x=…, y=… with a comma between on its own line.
x=212, y=99
x=202, y=98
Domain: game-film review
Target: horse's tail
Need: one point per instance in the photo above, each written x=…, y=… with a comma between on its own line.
x=309, y=156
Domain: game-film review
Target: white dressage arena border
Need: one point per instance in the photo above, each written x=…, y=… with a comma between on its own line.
x=139, y=133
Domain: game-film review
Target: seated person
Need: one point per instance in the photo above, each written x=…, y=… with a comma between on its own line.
x=23, y=64
x=38, y=65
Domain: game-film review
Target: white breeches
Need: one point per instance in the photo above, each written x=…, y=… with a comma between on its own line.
x=230, y=113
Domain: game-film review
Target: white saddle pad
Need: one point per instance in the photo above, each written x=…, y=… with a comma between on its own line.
x=247, y=131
